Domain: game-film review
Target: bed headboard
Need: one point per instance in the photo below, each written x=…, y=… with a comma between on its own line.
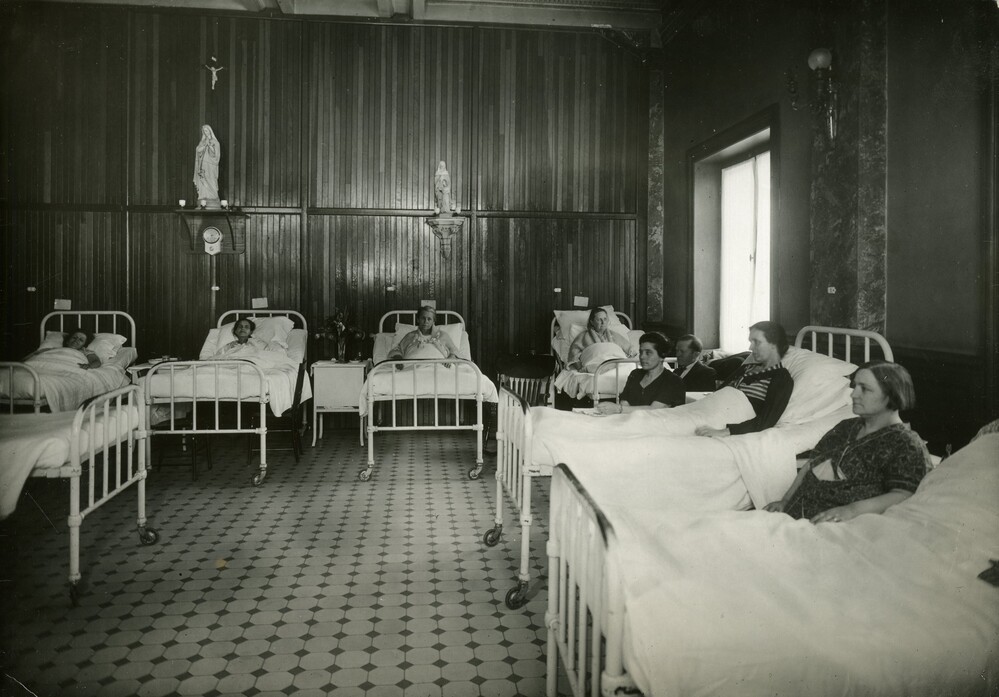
x=843, y=343
x=234, y=315
x=443, y=317
x=96, y=321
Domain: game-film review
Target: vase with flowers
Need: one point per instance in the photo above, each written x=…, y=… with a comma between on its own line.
x=345, y=338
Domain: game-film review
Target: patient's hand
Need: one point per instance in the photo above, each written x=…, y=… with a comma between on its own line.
x=837, y=515
x=712, y=432
x=609, y=408
x=775, y=506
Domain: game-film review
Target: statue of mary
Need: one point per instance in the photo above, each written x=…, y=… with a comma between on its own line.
x=442, y=190
x=206, y=167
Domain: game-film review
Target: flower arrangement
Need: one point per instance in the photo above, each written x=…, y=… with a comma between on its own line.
x=337, y=328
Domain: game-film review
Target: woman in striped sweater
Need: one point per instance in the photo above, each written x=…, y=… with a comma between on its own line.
x=762, y=378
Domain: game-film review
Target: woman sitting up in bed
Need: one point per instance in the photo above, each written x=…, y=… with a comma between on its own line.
x=597, y=332
x=426, y=341
x=78, y=340
x=762, y=378
x=866, y=464
x=651, y=386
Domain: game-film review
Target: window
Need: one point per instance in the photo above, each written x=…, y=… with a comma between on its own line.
x=734, y=181
x=745, y=250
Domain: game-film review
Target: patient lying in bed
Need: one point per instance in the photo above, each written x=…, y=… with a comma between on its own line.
x=74, y=351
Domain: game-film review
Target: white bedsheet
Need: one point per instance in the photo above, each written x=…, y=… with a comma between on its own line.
x=280, y=376
x=422, y=380
x=652, y=459
x=65, y=387
x=39, y=441
x=753, y=603
x=579, y=385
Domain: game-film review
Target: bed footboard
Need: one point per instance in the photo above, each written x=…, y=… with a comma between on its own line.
x=585, y=616
x=107, y=434
x=514, y=474
x=20, y=373
x=397, y=381
x=191, y=395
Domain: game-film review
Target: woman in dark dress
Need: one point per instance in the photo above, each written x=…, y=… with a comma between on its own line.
x=866, y=464
x=651, y=386
x=763, y=379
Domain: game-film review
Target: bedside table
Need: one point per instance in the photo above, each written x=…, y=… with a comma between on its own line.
x=336, y=388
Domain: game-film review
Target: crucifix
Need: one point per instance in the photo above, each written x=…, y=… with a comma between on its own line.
x=214, y=67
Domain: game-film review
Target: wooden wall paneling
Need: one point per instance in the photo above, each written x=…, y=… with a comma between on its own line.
x=361, y=255
x=79, y=256
x=582, y=256
x=559, y=122
x=62, y=91
x=253, y=109
x=269, y=268
x=387, y=104
x=171, y=287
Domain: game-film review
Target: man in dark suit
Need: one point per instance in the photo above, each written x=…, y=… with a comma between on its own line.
x=696, y=376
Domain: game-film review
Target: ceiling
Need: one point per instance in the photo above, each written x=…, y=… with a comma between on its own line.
x=642, y=16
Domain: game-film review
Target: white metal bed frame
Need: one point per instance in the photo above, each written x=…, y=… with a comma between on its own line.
x=585, y=616
x=244, y=370
x=96, y=321
x=114, y=466
x=515, y=469
x=388, y=367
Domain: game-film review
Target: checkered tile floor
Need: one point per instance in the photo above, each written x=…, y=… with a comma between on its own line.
x=312, y=584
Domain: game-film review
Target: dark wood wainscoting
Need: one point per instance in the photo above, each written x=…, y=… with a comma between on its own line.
x=951, y=396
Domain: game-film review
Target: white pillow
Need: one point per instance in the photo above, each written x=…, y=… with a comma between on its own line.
x=401, y=330
x=52, y=340
x=595, y=354
x=459, y=337
x=821, y=385
x=297, y=339
x=633, y=338
x=383, y=343
x=105, y=345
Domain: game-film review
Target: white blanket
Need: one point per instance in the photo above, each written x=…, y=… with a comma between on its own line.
x=652, y=459
x=280, y=376
x=64, y=385
x=426, y=380
x=40, y=441
x=579, y=385
x=753, y=603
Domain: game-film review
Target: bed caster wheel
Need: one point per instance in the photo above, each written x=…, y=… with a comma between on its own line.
x=74, y=595
x=516, y=598
x=148, y=536
x=364, y=475
x=258, y=478
x=492, y=537
x=473, y=473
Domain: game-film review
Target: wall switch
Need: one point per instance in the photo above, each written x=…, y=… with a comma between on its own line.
x=581, y=301
x=63, y=304
x=831, y=290
x=557, y=290
x=431, y=303
x=258, y=303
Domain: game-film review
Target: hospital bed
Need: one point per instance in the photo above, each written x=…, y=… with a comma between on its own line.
x=750, y=603
x=819, y=401
x=603, y=382
x=62, y=389
x=232, y=396
x=425, y=385
x=98, y=448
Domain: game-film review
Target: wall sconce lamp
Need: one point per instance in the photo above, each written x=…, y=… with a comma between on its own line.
x=824, y=105
x=820, y=61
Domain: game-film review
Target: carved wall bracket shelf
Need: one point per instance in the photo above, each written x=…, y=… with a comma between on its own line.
x=446, y=227
x=229, y=221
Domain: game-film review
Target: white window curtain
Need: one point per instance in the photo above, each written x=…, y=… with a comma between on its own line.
x=745, y=250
